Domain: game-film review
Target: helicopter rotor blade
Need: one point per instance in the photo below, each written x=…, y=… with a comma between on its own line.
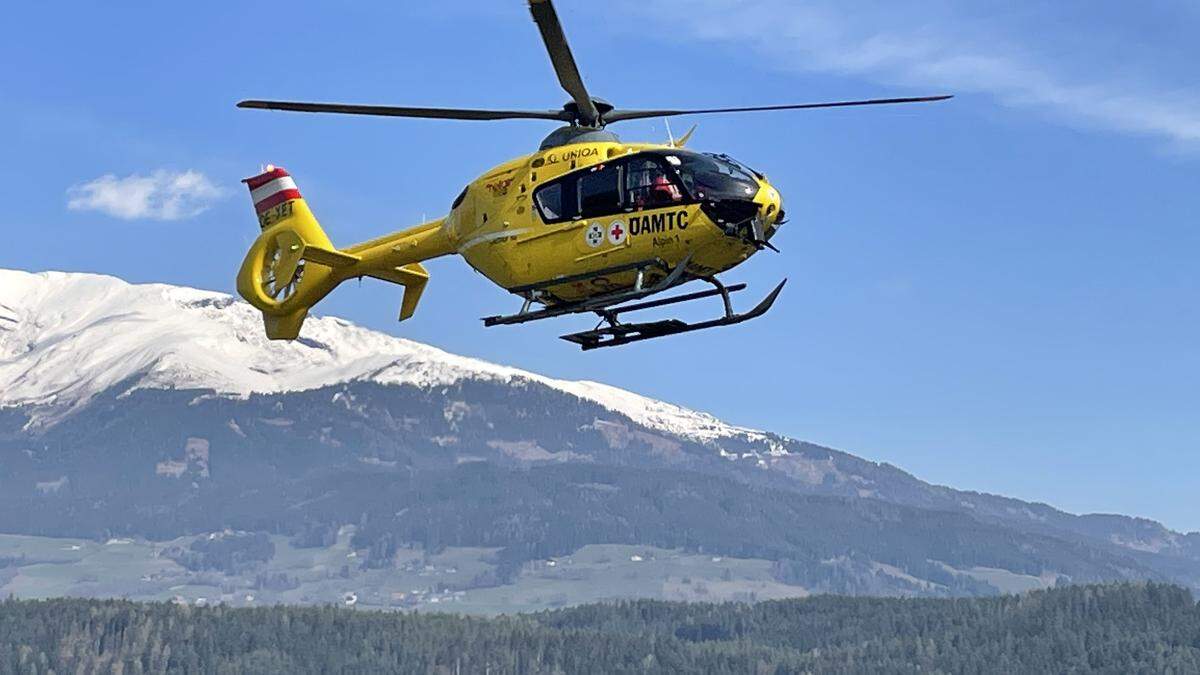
x=399, y=111
x=619, y=115
x=546, y=18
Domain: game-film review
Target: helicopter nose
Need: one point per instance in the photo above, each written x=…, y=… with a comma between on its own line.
x=772, y=207
x=771, y=214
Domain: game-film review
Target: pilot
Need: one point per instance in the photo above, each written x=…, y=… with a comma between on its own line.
x=665, y=191
x=654, y=188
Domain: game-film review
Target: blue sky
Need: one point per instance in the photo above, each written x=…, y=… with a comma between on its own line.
x=997, y=293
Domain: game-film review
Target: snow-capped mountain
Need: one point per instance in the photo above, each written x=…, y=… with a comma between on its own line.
x=64, y=337
x=161, y=411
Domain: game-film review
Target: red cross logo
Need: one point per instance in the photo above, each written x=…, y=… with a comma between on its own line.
x=616, y=233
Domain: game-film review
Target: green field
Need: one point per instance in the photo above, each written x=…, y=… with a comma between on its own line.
x=43, y=567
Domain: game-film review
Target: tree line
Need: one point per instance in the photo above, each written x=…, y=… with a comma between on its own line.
x=1124, y=628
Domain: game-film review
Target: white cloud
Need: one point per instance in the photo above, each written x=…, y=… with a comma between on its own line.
x=161, y=195
x=1021, y=58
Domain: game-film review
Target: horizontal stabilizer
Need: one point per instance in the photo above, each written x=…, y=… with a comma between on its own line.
x=329, y=257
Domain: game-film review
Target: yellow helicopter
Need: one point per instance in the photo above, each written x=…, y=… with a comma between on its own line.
x=587, y=224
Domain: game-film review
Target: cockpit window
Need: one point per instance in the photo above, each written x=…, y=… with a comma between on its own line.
x=652, y=179
x=708, y=177
x=739, y=164
x=648, y=185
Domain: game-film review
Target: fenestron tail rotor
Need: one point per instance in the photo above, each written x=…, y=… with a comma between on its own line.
x=282, y=268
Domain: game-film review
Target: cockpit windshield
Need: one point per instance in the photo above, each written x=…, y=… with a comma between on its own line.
x=713, y=177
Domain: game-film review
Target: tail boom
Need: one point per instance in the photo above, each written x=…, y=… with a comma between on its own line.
x=293, y=264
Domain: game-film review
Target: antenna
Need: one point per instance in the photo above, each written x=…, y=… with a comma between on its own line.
x=670, y=137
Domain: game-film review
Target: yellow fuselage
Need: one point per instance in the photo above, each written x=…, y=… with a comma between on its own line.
x=498, y=230
x=501, y=227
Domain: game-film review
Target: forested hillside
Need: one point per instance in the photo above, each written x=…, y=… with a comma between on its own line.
x=1128, y=628
x=162, y=464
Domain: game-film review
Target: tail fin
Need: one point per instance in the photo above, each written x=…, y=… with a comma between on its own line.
x=293, y=264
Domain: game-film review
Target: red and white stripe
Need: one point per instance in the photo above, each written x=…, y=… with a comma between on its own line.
x=271, y=188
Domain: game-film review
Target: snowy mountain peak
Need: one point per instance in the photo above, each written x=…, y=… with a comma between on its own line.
x=65, y=337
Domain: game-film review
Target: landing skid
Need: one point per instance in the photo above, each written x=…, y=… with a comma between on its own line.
x=617, y=333
x=610, y=306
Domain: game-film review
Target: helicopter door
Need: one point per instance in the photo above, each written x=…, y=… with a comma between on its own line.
x=589, y=193
x=600, y=191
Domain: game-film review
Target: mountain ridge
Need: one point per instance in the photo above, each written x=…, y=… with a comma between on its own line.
x=356, y=353
x=181, y=371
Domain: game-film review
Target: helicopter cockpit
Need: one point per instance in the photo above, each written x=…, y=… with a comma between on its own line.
x=647, y=180
x=710, y=177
